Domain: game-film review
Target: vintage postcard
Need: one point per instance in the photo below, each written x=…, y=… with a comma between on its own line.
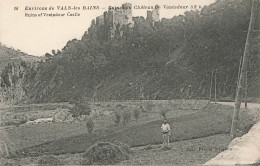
x=129, y=82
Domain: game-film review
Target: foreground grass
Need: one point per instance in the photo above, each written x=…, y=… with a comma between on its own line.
x=190, y=152
x=21, y=137
x=213, y=119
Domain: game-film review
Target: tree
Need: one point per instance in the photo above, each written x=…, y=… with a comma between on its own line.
x=53, y=52
x=48, y=55
x=210, y=90
x=137, y=113
x=80, y=109
x=254, y=12
x=58, y=52
x=126, y=116
x=90, y=125
x=117, y=117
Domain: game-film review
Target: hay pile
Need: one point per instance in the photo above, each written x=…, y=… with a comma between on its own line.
x=123, y=145
x=106, y=153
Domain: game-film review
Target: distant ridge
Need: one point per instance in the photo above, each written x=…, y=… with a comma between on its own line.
x=9, y=55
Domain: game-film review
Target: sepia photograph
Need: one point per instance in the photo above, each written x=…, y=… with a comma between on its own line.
x=129, y=82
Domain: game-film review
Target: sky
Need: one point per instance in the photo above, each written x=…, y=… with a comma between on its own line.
x=41, y=34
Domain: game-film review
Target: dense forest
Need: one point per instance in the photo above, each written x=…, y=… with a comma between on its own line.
x=173, y=58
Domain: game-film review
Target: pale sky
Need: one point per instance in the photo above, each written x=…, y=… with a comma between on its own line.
x=38, y=35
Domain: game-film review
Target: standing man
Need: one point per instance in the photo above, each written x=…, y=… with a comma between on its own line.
x=166, y=132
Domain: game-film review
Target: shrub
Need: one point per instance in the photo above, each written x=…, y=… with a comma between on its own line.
x=105, y=153
x=32, y=118
x=126, y=116
x=49, y=160
x=80, y=108
x=163, y=113
x=90, y=125
x=148, y=147
x=122, y=145
x=12, y=122
x=137, y=113
x=164, y=148
x=22, y=121
x=117, y=117
x=9, y=123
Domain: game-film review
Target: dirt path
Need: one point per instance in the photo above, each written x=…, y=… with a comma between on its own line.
x=249, y=105
x=242, y=150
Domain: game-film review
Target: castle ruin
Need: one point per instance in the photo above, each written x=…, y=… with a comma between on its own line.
x=112, y=20
x=154, y=15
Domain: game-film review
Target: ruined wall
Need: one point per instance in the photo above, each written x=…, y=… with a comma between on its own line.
x=115, y=18
x=127, y=11
x=154, y=15
x=149, y=16
x=122, y=16
x=100, y=20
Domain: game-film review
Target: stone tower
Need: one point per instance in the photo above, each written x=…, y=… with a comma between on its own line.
x=127, y=12
x=154, y=15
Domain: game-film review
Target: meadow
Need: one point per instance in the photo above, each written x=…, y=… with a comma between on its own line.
x=190, y=120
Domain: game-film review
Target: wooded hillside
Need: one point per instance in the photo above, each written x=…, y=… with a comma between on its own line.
x=172, y=59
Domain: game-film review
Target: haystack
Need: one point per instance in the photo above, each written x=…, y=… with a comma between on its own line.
x=123, y=145
x=106, y=153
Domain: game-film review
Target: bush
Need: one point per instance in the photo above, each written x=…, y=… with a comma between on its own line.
x=32, y=118
x=137, y=113
x=148, y=147
x=22, y=121
x=80, y=108
x=90, y=125
x=105, y=153
x=9, y=123
x=122, y=145
x=12, y=122
x=163, y=113
x=164, y=148
x=117, y=117
x=142, y=109
x=126, y=116
x=49, y=160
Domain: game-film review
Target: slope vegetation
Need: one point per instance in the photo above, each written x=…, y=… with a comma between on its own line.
x=173, y=58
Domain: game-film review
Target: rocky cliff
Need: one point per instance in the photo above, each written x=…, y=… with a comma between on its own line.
x=14, y=65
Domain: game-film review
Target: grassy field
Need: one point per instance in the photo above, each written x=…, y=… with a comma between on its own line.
x=212, y=120
x=190, y=152
x=20, y=137
x=195, y=125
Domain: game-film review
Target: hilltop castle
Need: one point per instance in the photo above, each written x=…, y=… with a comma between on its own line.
x=116, y=17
